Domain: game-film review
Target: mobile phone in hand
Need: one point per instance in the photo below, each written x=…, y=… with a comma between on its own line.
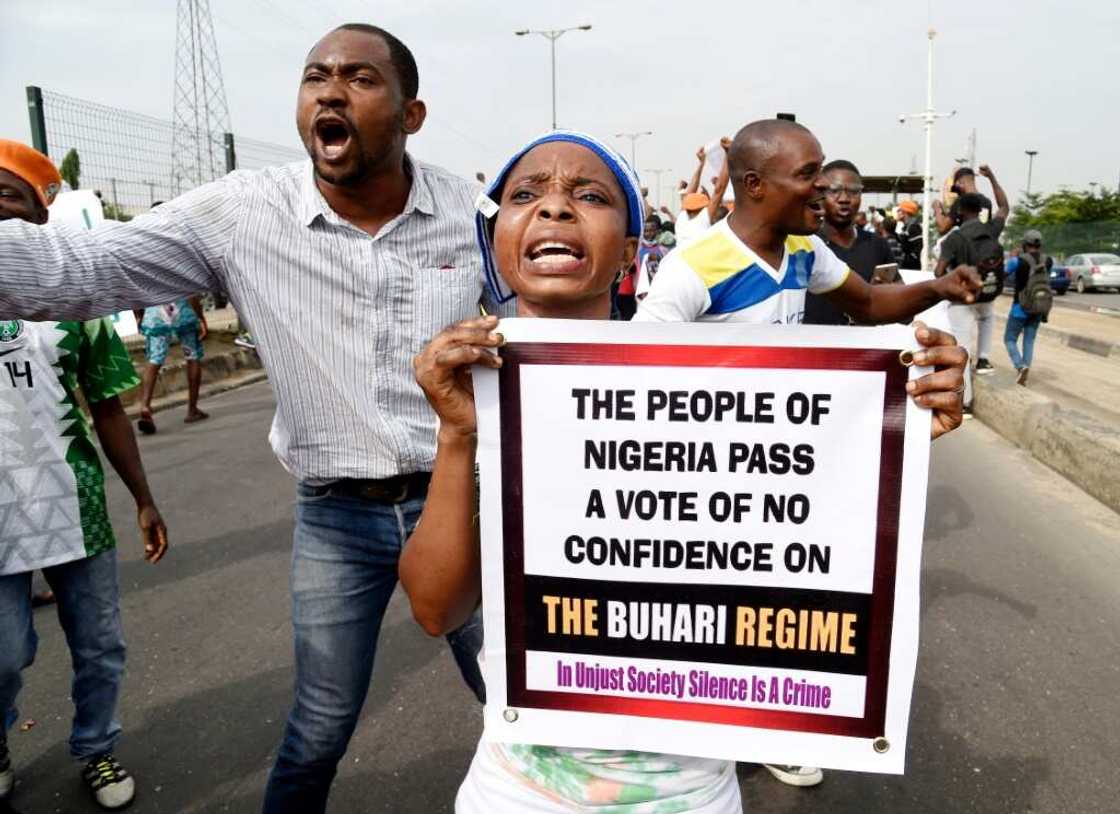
x=885, y=273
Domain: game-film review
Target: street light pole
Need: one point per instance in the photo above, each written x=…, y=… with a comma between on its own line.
x=552, y=50
x=552, y=35
x=633, y=141
x=1030, y=167
x=929, y=116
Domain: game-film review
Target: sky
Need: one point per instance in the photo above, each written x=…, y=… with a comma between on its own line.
x=1024, y=74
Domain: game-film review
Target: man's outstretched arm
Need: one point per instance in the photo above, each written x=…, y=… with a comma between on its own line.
x=59, y=272
x=878, y=304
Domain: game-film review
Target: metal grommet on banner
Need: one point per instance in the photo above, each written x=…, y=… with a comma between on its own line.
x=881, y=745
x=906, y=358
x=510, y=715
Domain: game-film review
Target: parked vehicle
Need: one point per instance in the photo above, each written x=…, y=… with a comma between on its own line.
x=1059, y=280
x=1092, y=272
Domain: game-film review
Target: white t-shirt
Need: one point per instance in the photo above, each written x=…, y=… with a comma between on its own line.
x=717, y=278
x=940, y=241
x=688, y=229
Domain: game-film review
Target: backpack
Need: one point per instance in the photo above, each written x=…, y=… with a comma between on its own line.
x=910, y=244
x=1037, y=298
x=984, y=252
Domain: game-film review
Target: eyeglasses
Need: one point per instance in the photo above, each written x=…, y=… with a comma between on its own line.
x=835, y=190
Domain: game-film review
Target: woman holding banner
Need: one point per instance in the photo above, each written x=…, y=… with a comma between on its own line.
x=563, y=219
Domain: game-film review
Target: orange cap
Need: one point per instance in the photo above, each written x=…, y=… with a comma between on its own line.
x=693, y=201
x=909, y=207
x=33, y=167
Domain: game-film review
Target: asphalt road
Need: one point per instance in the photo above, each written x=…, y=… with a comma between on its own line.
x=1099, y=299
x=1014, y=711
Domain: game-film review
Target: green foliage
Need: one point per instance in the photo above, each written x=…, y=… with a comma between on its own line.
x=114, y=212
x=1071, y=222
x=71, y=169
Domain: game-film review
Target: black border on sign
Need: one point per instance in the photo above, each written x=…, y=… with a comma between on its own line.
x=514, y=355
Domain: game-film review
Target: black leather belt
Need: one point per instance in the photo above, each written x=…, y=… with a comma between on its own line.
x=396, y=489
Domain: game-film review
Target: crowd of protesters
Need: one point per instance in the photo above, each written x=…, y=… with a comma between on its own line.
x=876, y=243
x=384, y=487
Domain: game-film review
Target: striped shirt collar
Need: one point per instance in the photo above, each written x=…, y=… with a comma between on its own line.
x=313, y=205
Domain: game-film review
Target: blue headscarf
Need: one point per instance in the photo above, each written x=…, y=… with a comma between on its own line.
x=488, y=207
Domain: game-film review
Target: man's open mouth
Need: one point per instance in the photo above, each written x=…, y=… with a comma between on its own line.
x=334, y=135
x=554, y=253
x=816, y=206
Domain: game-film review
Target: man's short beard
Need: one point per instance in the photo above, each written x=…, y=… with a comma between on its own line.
x=365, y=166
x=352, y=178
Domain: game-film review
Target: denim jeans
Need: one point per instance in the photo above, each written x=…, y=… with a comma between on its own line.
x=344, y=570
x=89, y=611
x=1028, y=328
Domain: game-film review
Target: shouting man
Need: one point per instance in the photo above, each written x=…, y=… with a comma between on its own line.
x=345, y=265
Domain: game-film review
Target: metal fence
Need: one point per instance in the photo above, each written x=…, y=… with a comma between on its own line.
x=126, y=156
x=1060, y=240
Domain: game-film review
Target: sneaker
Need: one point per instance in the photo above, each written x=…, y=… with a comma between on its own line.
x=112, y=787
x=245, y=340
x=7, y=773
x=984, y=367
x=1022, y=377
x=796, y=775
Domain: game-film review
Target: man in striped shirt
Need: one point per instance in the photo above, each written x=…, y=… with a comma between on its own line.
x=345, y=266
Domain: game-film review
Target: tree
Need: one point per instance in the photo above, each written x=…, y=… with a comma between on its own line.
x=71, y=169
x=114, y=212
x=1071, y=222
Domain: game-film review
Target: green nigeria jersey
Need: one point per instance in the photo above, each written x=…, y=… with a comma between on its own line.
x=52, y=488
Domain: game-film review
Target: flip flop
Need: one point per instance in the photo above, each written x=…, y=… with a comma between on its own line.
x=146, y=425
x=199, y=416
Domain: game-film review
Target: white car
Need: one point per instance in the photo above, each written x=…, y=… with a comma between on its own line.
x=1094, y=271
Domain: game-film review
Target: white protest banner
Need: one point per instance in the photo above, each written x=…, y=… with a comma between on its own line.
x=714, y=156
x=936, y=316
x=702, y=539
x=80, y=209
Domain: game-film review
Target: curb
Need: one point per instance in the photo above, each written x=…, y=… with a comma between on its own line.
x=1082, y=449
x=219, y=373
x=1099, y=347
x=180, y=398
x=1103, y=310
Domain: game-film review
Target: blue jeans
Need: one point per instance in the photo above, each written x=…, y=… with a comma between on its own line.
x=344, y=570
x=1028, y=328
x=89, y=611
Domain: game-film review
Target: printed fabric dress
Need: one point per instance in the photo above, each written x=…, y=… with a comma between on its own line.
x=525, y=779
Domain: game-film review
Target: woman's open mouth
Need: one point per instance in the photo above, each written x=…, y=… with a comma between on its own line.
x=555, y=256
